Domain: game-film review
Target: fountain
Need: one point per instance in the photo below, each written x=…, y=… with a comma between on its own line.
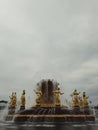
x=48, y=107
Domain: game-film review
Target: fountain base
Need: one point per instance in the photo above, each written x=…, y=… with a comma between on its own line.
x=51, y=115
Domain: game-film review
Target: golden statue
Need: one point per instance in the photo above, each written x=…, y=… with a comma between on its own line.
x=85, y=99
x=38, y=99
x=11, y=100
x=81, y=103
x=12, y=103
x=15, y=98
x=75, y=99
x=57, y=94
x=23, y=100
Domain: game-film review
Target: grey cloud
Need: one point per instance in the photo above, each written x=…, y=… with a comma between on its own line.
x=48, y=39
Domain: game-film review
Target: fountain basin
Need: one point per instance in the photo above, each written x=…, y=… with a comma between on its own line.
x=50, y=115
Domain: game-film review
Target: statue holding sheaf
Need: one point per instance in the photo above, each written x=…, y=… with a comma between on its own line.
x=57, y=94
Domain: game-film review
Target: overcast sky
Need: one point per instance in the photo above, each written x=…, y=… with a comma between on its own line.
x=56, y=39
